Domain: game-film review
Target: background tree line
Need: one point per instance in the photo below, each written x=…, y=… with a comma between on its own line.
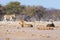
x=31, y=12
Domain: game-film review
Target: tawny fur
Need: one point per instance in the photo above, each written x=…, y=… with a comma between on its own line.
x=24, y=24
x=45, y=28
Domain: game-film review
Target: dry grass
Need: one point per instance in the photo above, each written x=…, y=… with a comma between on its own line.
x=7, y=39
x=38, y=31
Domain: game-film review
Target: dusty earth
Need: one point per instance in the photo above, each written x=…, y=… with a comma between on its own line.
x=14, y=32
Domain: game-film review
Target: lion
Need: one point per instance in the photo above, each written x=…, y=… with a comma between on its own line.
x=51, y=25
x=23, y=24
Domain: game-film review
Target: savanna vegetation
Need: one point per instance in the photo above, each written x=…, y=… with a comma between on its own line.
x=31, y=12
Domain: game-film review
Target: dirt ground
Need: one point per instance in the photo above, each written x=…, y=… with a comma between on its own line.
x=11, y=32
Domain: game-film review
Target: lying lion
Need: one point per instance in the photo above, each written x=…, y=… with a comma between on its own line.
x=51, y=25
x=45, y=28
x=25, y=25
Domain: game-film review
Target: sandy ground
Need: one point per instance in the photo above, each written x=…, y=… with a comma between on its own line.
x=11, y=32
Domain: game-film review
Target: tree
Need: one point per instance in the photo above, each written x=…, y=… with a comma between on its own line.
x=2, y=10
x=28, y=10
x=13, y=8
x=39, y=11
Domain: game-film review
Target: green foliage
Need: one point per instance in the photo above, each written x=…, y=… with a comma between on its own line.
x=31, y=11
x=13, y=7
x=0, y=5
x=16, y=8
x=28, y=11
x=2, y=10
